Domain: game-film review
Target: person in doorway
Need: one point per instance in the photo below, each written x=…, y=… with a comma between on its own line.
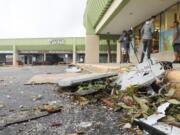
x=124, y=41
x=147, y=34
x=176, y=41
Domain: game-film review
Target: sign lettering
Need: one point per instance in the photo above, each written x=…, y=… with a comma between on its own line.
x=56, y=41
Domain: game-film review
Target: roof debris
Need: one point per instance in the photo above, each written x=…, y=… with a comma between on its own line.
x=143, y=93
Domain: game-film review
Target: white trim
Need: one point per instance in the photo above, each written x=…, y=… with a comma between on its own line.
x=108, y=13
x=5, y=52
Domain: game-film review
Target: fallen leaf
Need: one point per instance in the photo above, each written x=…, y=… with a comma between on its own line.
x=127, y=100
x=82, y=101
x=174, y=101
x=168, y=119
x=170, y=93
x=49, y=108
x=127, y=126
x=107, y=102
x=178, y=117
x=142, y=102
x=124, y=106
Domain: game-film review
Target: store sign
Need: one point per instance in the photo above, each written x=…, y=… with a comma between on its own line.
x=56, y=41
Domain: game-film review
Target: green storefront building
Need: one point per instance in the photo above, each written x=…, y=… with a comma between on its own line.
x=48, y=50
x=104, y=21
x=41, y=50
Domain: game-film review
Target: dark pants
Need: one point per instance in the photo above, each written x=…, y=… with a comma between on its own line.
x=147, y=43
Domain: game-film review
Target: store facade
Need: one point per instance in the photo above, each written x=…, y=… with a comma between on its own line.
x=39, y=51
x=115, y=16
x=162, y=39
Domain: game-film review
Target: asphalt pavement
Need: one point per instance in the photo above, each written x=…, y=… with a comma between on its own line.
x=15, y=95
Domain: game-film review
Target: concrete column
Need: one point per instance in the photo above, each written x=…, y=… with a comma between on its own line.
x=15, y=55
x=44, y=56
x=92, y=49
x=74, y=51
x=118, y=53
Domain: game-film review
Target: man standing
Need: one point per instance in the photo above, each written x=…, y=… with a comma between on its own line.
x=176, y=42
x=124, y=41
x=147, y=32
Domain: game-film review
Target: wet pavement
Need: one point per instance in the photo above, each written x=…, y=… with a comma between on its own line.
x=14, y=94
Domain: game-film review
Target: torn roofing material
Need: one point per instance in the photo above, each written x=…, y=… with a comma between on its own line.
x=143, y=74
x=84, y=78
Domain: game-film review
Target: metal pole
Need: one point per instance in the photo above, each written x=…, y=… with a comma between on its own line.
x=134, y=51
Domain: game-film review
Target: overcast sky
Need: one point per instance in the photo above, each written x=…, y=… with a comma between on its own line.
x=41, y=18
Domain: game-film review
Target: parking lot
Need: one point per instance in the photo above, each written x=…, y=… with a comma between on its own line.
x=14, y=95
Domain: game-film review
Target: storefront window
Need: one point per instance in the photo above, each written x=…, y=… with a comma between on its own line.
x=155, y=43
x=167, y=18
x=170, y=16
x=137, y=36
x=103, y=58
x=162, y=39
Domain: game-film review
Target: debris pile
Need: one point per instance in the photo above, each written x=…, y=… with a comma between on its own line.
x=143, y=94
